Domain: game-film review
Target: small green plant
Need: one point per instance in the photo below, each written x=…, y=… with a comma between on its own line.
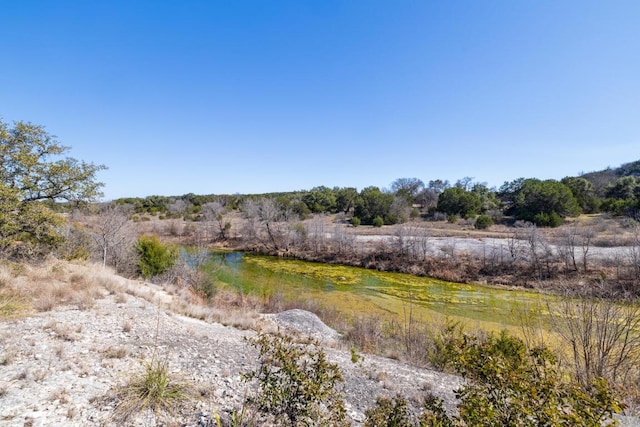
x=155, y=257
x=388, y=413
x=445, y=343
x=355, y=221
x=377, y=222
x=452, y=219
x=355, y=357
x=153, y=389
x=296, y=383
x=483, y=222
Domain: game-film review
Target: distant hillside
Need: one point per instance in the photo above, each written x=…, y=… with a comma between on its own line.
x=601, y=179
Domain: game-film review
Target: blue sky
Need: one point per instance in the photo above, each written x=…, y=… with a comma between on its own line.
x=258, y=96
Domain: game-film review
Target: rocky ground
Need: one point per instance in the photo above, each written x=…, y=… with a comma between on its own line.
x=62, y=367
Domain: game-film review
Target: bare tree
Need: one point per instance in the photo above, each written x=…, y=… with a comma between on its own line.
x=316, y=233
x=272, y=224
x=112, y=232
x=602, y=335
x=214, y=215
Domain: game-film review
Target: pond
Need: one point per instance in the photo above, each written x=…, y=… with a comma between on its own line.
x=357, y=292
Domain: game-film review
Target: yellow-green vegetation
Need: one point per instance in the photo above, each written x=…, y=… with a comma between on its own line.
x=356, y=292
x=12, y=306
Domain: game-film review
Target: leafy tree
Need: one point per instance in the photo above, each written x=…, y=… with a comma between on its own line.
x=407, y=188
x=625, y=188
x=345, y=198
x=508, y=192
x=438, y=185
x=488, y=199
x=584, y=192
x=458, y=201
x=373, y=203
x=33, y=170
x=544, y=197
x=155, y=257
x=320, y=199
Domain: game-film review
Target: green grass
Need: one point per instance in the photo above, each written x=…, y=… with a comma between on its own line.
x=153, y=389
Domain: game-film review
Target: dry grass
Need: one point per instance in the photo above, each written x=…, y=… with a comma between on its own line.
x=116, y=352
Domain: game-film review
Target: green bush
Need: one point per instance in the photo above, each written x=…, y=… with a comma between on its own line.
x=296, y=383
x=548, y=220
x=388, y=413
x=355, y=221
x=452, y=219
x=377, y=222
x=510, y=384
x=154, y=257
x=483, y=222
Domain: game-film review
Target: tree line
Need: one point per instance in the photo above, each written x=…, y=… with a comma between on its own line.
x=541, y=202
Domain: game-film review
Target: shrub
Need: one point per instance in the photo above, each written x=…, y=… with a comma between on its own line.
x=483, y=222
x=377, y=222
x=155, y=257
x=388, y=413
x=510, y=384
x=296, y=383
x=452, y=219
x=547, y=220
x=355, y=221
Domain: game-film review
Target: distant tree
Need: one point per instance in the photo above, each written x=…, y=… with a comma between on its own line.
x=111, y=231
x=427, y=198
x=458, y=201
x=32, y=171
x=543, y=199
x=465, y=183
x=625, y=188
x=508, y=193
x=345, y=198
x=438, y=185
x=584, y=192
x=371, y=203
x=488, y=199
x=320, y=199
x=213, y=214
x=407, y=188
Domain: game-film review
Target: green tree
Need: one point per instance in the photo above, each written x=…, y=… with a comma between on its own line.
x=584, y=192
x=155, y=257
x=320, y=199
x=372, y=203
x=625, y=188
x=345, y=198
x=458, y=201
x=33, y=170
x=536, y=197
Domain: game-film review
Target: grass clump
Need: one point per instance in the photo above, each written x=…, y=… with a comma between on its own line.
x=154, y=389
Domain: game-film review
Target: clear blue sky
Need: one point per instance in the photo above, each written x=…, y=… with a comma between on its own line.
x=257, y=96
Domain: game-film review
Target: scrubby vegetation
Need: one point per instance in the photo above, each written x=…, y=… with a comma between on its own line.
x=510, y=381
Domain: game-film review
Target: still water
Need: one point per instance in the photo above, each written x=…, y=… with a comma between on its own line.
x=357, y=291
